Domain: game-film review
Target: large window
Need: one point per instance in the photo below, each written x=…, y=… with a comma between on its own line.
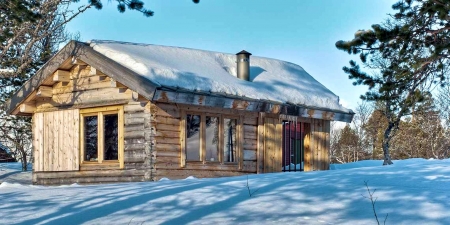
x=211, y=138
x=102, y=135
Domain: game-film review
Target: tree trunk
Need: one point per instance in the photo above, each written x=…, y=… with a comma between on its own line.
x=24, y=159
x=386, y=140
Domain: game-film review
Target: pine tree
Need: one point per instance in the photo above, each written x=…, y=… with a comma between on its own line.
x=405, y=55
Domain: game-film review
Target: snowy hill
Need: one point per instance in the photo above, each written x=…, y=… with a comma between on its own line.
x=414, y=191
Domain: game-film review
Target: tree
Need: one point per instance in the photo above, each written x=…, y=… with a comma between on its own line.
x=39, y=35
x=22, y=23
x=346, y=148
x=361, y=118
x=30, y=33
x=406, y=55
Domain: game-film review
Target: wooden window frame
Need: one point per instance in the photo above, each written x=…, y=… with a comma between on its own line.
x=99, y=112
x=239, y=129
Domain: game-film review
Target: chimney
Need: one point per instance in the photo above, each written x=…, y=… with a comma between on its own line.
x=243, y=65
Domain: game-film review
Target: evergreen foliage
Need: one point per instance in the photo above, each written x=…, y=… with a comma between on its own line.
x=403, y=58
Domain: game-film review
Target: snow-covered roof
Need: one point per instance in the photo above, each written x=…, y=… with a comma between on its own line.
x=213, y=72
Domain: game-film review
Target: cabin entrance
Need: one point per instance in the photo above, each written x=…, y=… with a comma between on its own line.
x=293, y=145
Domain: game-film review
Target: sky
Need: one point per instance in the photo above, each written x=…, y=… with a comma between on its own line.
x=303, y=32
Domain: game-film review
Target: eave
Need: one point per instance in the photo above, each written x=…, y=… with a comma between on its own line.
x=252, y=105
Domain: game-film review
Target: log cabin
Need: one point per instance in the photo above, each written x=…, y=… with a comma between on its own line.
x=106, y=111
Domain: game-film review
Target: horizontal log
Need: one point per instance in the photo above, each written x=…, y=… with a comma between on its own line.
x=135, y=147
x=134, y=141
x=134, y=121
x=92, y=173
x=250, y=120
x=134, y=156
x=250, y=129
x=250, y=146
x=134, y=107
x=167, y=147
x=167, y=159
x=165, y=120
x=250, y=142
x=249, y=154
x=175, y=154
x=141, y=114
x=212, y=166
x=86, y=84
x=99, y=166
x=166, y=166
x=106, y=95
x=251, y=136
x=167, y=134
x=183, y=173
x=134, y=134
x=90, y=180
x=167, y=140
x=134, y=127
x=167, y=110
x=249, y=166
x=44, y=91
x=160, y=127
x=61, y=76
x=44, y=106
x=137, y=166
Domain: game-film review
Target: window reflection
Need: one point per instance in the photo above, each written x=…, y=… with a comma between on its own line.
x=193, y=137
x=111, y=146
x=229, y=143
x=90, y=138
x=212, y=139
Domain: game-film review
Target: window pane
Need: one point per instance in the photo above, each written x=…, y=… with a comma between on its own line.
x=193, y=137
x=90, y=138
x=229, y=142
x=111, y=145
x=212, y=139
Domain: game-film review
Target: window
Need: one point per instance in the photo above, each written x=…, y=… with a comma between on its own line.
x=229, y=143
x=102, y=135
x=211, y=138
x=293, y=149
x=193, y=137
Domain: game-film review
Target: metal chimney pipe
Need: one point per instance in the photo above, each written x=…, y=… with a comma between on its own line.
x=243, y=65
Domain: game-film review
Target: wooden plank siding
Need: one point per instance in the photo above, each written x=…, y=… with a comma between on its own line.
x=54, y=148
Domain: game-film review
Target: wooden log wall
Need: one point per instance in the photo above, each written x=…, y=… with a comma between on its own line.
x=90, y=88
x=87, y=87
x=166, y=135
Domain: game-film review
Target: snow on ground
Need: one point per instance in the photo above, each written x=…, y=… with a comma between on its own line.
x=214, y=72
x=414, y=191
x=12, y=173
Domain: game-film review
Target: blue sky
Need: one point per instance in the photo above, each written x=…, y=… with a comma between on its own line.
x=303, y=32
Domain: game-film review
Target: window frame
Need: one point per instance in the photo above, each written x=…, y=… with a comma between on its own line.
x=100, y=112
x=239, y=140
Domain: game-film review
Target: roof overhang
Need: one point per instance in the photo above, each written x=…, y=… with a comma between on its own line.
x=231, y=102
